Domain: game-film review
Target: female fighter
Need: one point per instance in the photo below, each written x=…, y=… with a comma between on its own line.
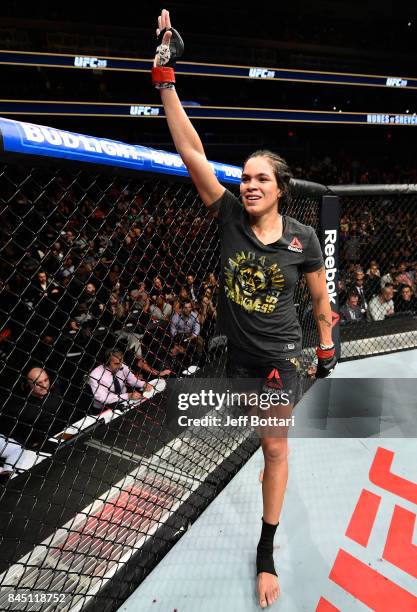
x=262, y=255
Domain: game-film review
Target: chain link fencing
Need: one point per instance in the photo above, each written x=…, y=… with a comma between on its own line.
x=378, y=269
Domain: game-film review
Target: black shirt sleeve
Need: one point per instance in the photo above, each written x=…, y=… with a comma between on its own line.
x=313, y=259
x=227, y=206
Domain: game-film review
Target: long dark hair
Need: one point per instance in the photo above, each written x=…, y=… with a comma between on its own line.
x=281, y=171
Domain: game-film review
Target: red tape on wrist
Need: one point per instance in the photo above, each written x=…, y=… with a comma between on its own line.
x=321, y=354
x=163, y=74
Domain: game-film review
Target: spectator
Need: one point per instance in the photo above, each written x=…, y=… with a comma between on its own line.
x=157, y=286
x=352, y=249
x=90, y=301
x=341, y=289
x=358, y=286
x=389, y=276
x=191, y=287
x=351, y=311
x=382, y=305
x=108, y=382
x=373, y=269
x=403, y=278
x=140, y=297
x=372, y=281
x=180, y=300
x=67, y=268
x=40, y=413
x=185, y=329
x=413, y=274
x=160, y=310
x=405, y=301
x=54, y=259
x=206, y=316
x=42, y=287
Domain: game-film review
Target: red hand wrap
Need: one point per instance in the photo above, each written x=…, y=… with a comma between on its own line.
x=321, y=354
x=163, y=74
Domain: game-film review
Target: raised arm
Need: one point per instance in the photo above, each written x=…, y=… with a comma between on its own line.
x=185, y=137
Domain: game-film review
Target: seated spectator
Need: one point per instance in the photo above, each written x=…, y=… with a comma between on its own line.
x=413, y=276
x=358, y=286
x=210, y=281
x=351, y=311
x=90, y=300
x=108, y=382
x=191, y=287
x=405, y=301
x=140, y=297
x=185, y=330
x=206, y=316
x=157, y=286
x=160, y=310
x=382, y=305
x=42, y=287
x=372, y=281
x=179, y=301
x=389, y=276
x=41, y=412
x=373, y=269
x=67, y=268
x=341, y=290
x=403, y=278
x=54, y=258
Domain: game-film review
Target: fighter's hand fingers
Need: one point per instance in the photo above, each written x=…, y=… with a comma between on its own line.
x=167, y=37
x=168, y=19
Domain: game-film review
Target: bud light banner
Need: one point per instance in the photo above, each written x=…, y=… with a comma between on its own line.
x=30, y=139
x=330, y=245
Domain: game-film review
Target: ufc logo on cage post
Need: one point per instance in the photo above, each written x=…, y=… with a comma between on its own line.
x=356, y=577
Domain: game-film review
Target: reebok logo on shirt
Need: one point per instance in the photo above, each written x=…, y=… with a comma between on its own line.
x=295, y=245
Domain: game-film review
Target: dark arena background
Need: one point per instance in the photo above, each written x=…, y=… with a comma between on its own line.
x=103, y=241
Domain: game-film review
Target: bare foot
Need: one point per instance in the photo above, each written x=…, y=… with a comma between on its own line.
x=268, y=589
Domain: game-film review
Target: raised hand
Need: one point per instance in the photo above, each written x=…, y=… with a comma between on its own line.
x=163, y=54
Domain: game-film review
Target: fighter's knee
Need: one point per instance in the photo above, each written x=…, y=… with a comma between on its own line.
x=275, y=451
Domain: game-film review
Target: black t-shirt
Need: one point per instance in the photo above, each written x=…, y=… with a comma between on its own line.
x=32, y=420
x=256, y=308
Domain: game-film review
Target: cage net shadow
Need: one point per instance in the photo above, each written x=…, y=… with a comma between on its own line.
x=378, y=264
x=97, y=267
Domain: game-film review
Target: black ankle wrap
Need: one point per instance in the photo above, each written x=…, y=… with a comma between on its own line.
x=264, y=554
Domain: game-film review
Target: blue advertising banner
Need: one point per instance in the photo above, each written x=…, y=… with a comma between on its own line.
x=39, y=140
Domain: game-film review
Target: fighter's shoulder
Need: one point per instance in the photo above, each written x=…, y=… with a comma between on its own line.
x=226, y=206
x=298, y=228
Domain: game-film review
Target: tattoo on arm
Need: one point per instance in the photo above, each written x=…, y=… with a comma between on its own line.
x=320, y=272
x=322, y=318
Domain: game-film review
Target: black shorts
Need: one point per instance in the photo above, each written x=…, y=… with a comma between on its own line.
x=282, y=376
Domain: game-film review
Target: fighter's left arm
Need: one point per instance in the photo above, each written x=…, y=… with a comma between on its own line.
x=316, y=283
